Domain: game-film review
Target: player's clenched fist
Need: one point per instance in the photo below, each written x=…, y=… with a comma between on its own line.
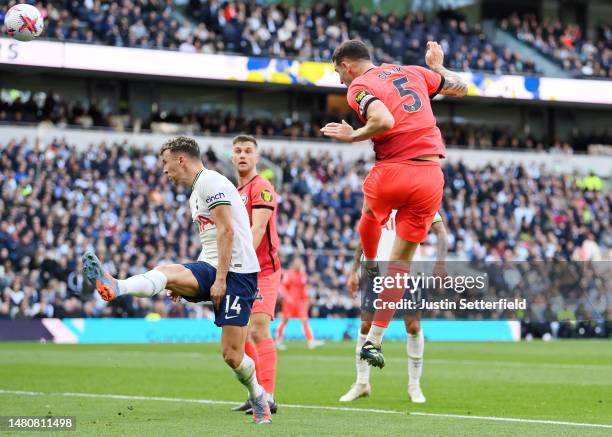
x=434, y=55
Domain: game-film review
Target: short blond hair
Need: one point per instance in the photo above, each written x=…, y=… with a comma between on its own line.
x=243, y=138
x=182, y=144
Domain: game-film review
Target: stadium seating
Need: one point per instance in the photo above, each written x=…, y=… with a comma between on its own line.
x=275, y=30
x=56, y=203
x=50, y=107
x=566, y=44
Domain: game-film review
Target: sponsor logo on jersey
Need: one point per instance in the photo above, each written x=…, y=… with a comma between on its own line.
x=266, y=195
x=244, y=198
x=215, y=197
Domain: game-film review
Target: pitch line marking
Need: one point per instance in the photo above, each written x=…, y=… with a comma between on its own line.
x=307, y=407
x=197, y=355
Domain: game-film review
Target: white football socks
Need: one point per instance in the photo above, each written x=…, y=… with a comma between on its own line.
x=376, y=334
x=245, y=373
x=363, y=368
x=415, y=347
x=146, y=285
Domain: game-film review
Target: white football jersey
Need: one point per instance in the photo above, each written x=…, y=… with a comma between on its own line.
x=209, y=190
x=388, y=235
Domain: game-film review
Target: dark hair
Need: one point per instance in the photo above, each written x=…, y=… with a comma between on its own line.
x=243, y=138
x=182, y=144
x=353, y=49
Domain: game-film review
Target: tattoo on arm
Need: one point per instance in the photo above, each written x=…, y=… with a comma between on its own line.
x=453, y=84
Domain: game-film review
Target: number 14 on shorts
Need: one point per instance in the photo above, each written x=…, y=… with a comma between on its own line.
x=234, y=306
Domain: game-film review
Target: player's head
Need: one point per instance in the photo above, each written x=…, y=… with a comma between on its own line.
x=244, y=154
x=181, y=156
x=297, y=264
x=351, y=59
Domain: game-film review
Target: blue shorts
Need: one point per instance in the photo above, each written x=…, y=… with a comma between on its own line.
x=235, y=308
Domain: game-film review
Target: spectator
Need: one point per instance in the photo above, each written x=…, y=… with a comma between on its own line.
x=115, y=199
x=565, y=44
x=279, y=30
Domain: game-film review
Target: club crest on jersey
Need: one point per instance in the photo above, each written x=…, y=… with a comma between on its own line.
x=266, y=195
x=244, y=198
x=215, y=197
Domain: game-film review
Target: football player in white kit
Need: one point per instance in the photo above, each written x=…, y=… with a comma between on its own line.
x=415, y=340
x=226, y=270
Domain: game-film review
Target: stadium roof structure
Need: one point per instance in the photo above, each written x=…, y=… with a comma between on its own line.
x=50, y=55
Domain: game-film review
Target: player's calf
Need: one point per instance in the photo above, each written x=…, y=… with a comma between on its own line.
x=415, y=346
x=174, y=277
x=264, y=349
x=232, y=346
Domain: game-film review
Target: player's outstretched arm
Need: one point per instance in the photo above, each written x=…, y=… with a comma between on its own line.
x=453, y=84
x=379, y=120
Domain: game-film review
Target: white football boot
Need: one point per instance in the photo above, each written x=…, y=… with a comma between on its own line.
x=357, y=390
x=416, y=394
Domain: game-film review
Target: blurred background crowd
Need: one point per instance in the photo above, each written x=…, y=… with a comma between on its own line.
x=49, y=108
x=313, y=32
x=113, y=198
x=56, y=202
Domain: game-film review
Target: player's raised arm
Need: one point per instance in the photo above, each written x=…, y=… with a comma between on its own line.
x=453, y=84
x=222, y=216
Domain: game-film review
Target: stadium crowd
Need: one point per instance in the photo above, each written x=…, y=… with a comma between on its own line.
x=566, y=44
x=275, y=30
x=56, y=203
x=50, y=108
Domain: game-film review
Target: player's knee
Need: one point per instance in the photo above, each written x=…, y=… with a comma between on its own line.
x=232, y=356
x=170, y=270
x=413, y=327
x=259, y=330
x=365, y=327
x=365, y=210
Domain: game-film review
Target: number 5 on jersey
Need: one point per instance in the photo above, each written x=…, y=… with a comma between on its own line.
x=399, y=85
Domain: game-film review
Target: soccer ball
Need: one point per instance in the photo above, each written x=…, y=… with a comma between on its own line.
x=23, y=22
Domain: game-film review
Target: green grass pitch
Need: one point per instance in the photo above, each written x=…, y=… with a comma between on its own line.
x=565, y=381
